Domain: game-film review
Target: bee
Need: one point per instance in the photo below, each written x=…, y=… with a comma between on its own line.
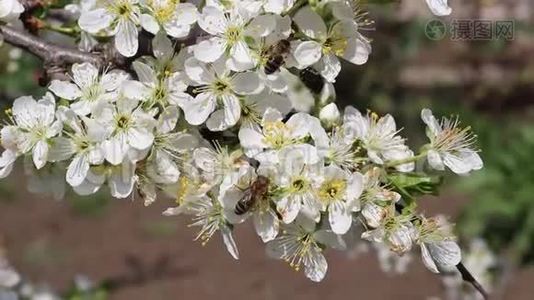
x=312, y=79
x=256, y=192
x=276, y=56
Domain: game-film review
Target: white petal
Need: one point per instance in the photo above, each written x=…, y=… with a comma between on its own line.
x=289, y=208
x=357, y=51
x=229, y=242
x=250, y=138
x=65, y=90
x=316, y=271
x=198, y=71
x=162, y=47
x=40, y=154
x=340, y=217
x=247, y=83
x=186, y=13
x=126, y=39
x=24, y=109
x=168, y=119
x=435, y=160
x=77, y=170
x=266, y=225
x=216, y=121
x=62, y=149
x=431, y=122
x=115, y=149
x=140, y=138
x=232, y=109
x=6, y=162
x=307, y=53
x=149, y=23
x=439, y=7
x=310, y=23
x=85, y=74
x=329, y=67
x=132, y=89
x=458, y=163
x=441, y=256
x=330, y=114
x=199, y=109
x=212, y=20
x=145, y=73
x=209, y=50
x=261, y=26
x=241, y=53
x=95, y=20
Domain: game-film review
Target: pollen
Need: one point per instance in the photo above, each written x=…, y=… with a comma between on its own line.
x=332, y=190
x=233, y=35
x=276, y=134
x=335, y=45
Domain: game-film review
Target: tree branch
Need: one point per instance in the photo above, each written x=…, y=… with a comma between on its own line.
x=48, y=52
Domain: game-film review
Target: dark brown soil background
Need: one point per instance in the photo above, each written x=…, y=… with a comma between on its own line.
x=49, y=242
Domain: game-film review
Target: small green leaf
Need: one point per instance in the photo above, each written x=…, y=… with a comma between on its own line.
x=415, y=184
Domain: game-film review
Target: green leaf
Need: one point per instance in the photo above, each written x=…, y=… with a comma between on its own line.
x=415, y=184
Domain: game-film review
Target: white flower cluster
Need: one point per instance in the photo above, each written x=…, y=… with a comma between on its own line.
x=218, y=126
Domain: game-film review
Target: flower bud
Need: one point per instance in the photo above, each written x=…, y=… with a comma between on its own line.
x=330, y=114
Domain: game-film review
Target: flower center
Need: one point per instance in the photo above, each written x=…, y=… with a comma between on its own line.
x=335, y=45
x=165, y=13
x=233, y=35
x=276, y=134
x=121, y=8
x=298, y=184
x=93, y=92
x=332, y=190
x=122, y=122
x=220, y=87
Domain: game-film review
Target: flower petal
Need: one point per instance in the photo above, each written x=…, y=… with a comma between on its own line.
x=307, y=53
x=77, y=170
x=266, y=225
x=95, y=20
x=340, y=217
x=247, y=83
x=439, y=7
x=310, y=23
x=126, y=39
x=65, y=90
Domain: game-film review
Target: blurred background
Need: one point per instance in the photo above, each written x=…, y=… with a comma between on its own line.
x=118, y=249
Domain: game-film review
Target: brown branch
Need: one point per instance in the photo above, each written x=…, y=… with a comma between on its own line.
x=48, y=52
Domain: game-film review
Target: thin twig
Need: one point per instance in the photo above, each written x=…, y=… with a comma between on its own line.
x=468, y=277
x=466, y=274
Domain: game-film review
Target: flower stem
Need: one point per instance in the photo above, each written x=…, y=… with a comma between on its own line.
x=70, y=31
x=399, y=162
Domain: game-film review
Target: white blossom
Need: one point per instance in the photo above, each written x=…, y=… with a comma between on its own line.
x=173, y=17
x=116, y=18
x=218, y=88
x=90, y=90
x=327, y=44
x=450, y=145
x=300, y=243
x=35, y=125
